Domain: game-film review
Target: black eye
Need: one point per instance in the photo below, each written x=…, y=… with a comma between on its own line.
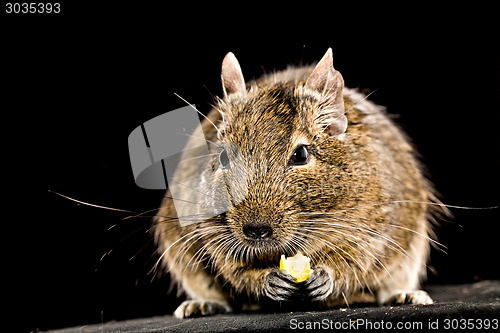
x=223, y=159
x=300, y=156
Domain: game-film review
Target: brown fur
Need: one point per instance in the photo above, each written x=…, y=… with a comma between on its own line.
x=357, y=209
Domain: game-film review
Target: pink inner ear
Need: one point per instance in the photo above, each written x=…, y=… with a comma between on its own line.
x=332, y=104
x=332, y=91
x=232, y=76
x=325, y=80
x=318, y=78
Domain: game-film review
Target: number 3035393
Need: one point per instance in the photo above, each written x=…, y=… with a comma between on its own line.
x=32, y=8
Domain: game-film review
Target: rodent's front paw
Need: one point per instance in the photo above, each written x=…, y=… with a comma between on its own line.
x=280, y=286
x=318, y=286
x=197, y=308
x=409, y=297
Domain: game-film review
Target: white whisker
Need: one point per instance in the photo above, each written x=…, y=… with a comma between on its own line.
x=191, y=105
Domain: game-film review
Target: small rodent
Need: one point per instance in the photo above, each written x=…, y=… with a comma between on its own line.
x=313, y=167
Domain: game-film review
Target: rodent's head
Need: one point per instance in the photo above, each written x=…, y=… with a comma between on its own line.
x=280, y=153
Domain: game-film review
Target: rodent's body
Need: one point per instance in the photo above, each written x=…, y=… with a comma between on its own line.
x=357, y=206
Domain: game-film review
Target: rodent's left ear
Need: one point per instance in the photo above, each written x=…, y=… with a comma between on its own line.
x=232, y=77
x=328, y=82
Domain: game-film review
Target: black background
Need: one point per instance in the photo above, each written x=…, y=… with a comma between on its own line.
x=95, y=73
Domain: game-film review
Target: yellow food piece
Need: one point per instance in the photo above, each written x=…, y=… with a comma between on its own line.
x=298, y=266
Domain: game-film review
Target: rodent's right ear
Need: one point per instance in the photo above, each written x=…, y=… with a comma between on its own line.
x=232, y=77
x=328, y=82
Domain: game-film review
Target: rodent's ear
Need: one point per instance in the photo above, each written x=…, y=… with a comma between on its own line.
x=232, y=77
x=328, y=82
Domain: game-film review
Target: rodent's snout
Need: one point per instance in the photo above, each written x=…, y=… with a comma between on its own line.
x=257, y=231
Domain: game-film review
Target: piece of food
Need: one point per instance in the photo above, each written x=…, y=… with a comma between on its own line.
x=298, y=266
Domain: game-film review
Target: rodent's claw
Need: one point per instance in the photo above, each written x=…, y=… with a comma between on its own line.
x=280, y=286
x=197, y=308
x=318, y=286
x=409, y=297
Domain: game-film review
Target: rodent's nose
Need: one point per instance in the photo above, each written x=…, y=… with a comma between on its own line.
x=257, y=231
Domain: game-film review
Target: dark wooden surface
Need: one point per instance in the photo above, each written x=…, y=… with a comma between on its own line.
x=455, y=305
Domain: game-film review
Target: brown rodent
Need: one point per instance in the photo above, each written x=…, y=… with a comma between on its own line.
x=300, y=164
